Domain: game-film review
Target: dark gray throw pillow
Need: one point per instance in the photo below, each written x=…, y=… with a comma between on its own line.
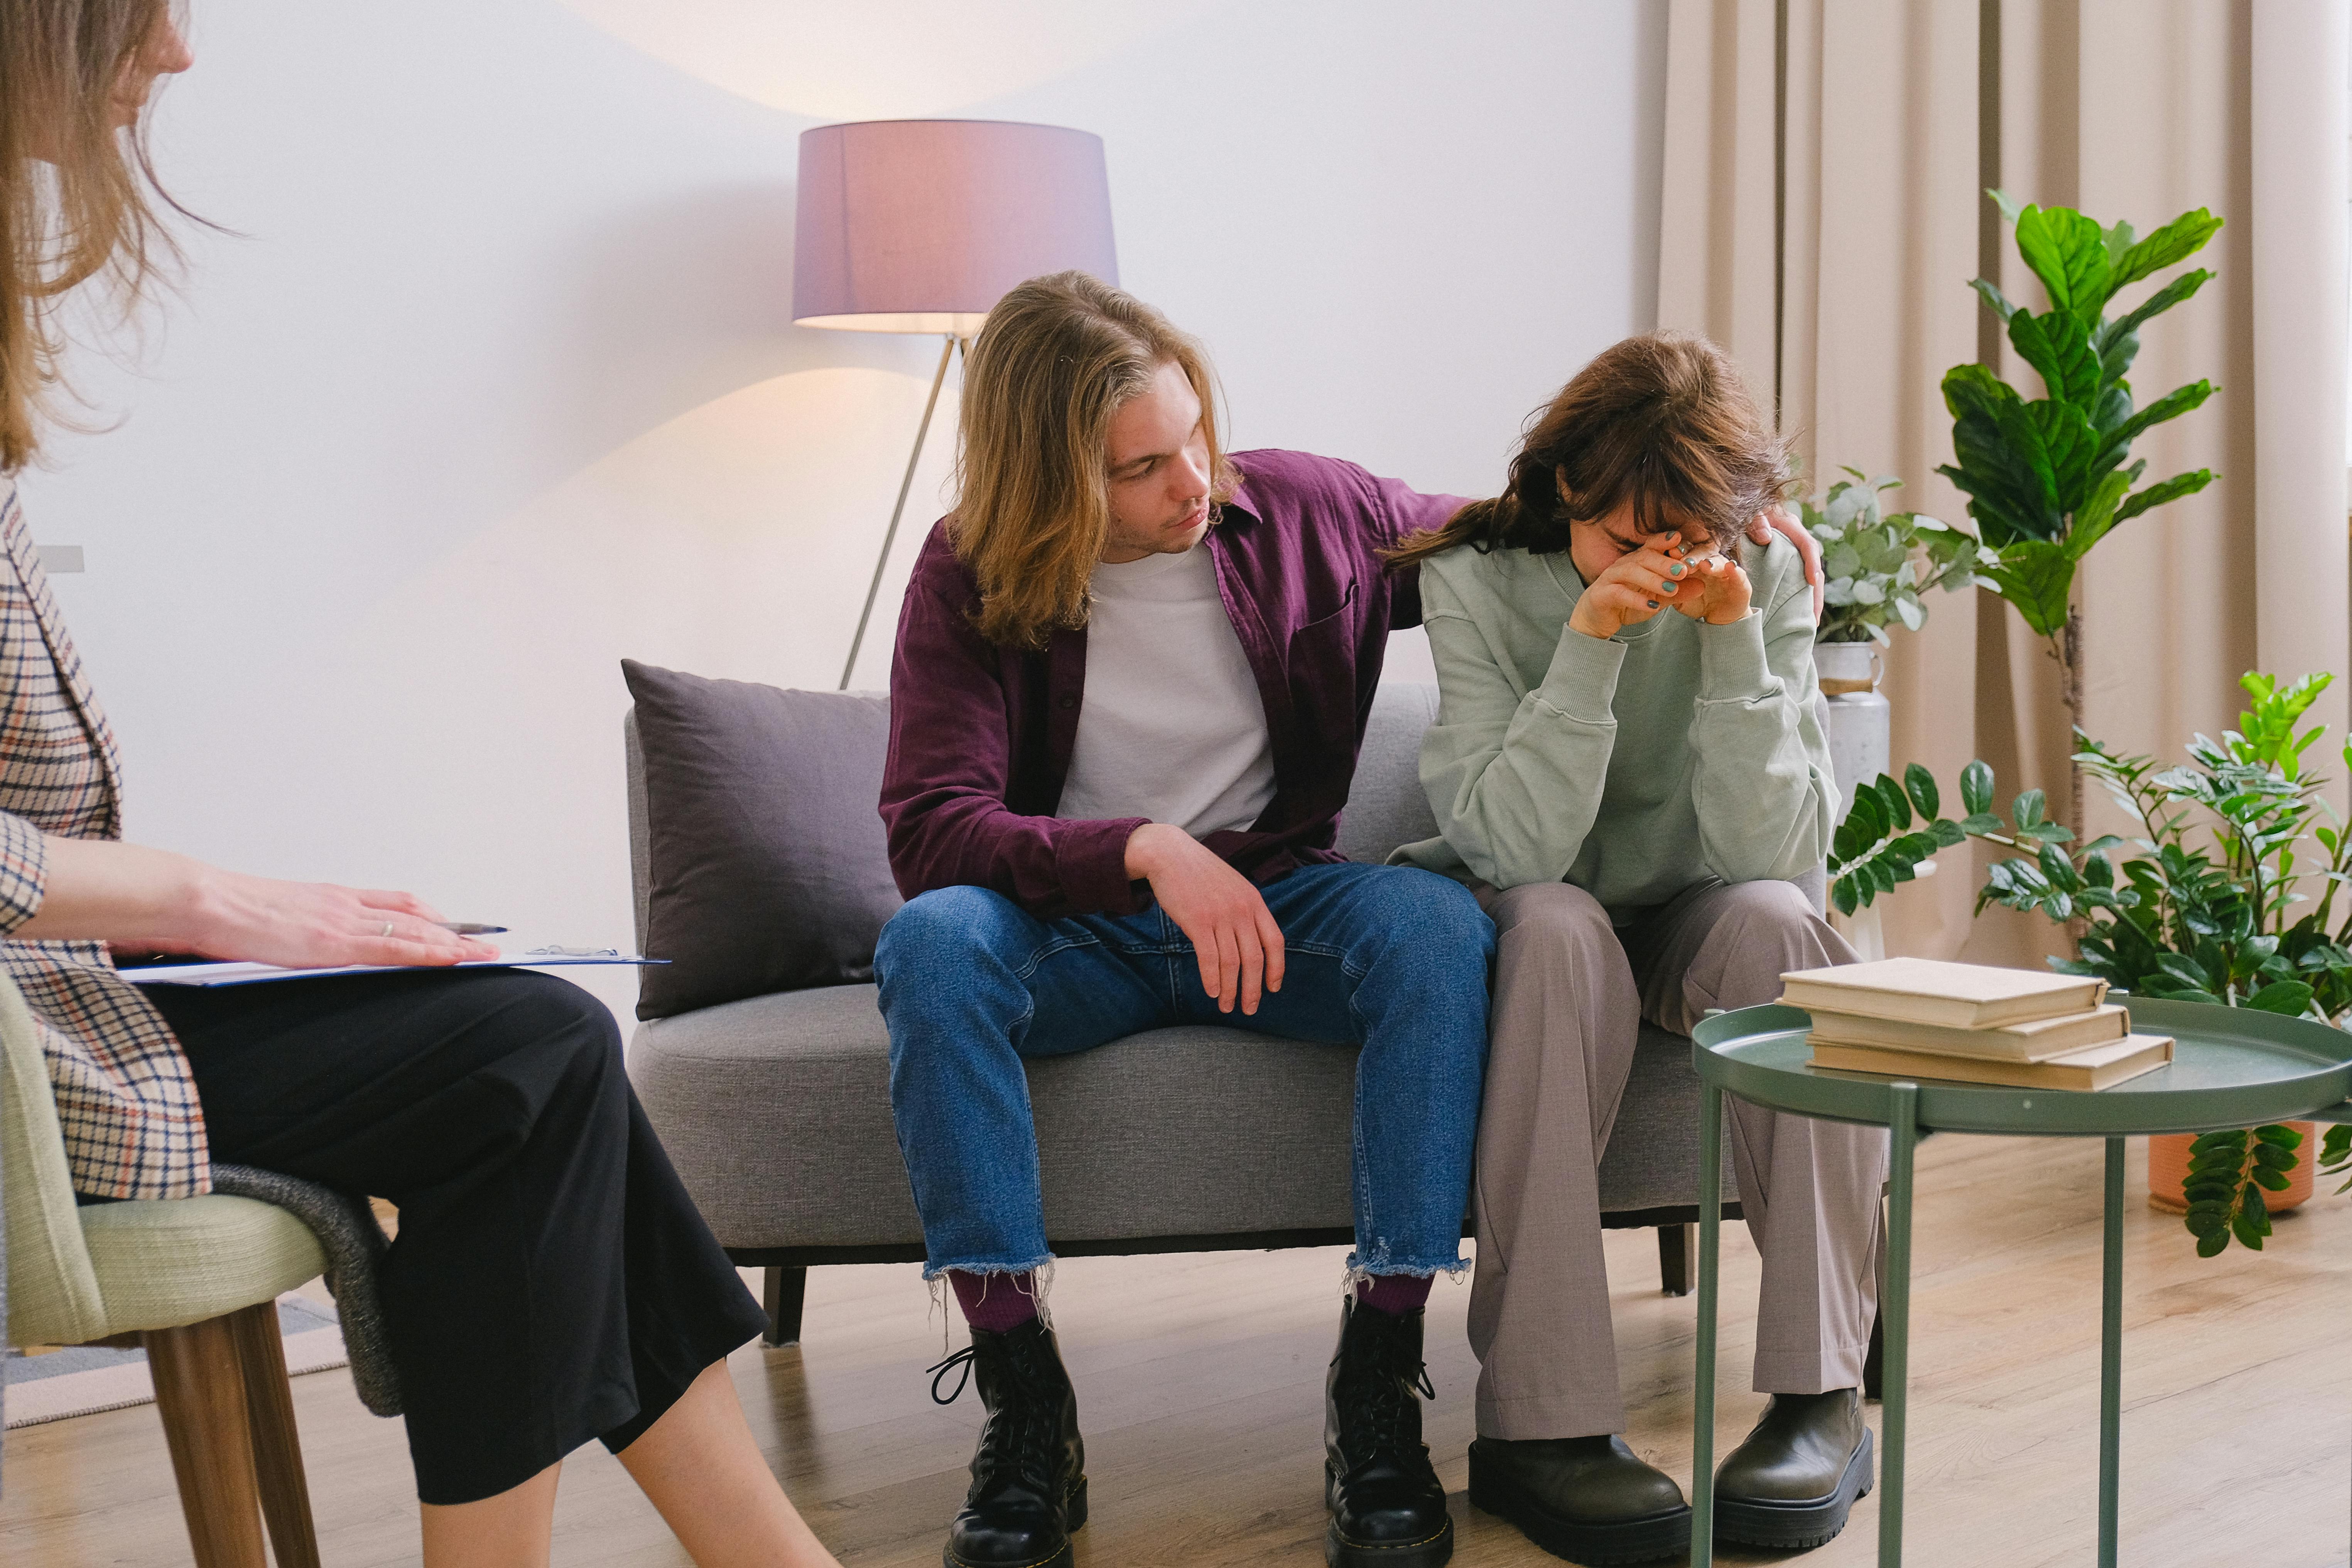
x=768, y=868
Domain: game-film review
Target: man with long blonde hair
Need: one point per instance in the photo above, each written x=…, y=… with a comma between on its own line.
x=1131, y=677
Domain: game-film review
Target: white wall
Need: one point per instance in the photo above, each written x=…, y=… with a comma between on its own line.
x=496, y=381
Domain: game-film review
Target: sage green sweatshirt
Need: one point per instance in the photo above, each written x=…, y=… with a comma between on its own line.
x=1669, y=755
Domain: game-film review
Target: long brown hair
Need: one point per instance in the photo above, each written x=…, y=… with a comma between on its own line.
x=1057, y=359
x=77, y=195
x=1661, y=421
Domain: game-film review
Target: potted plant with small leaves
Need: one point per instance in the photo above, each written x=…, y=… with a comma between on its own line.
x=2221, y=899
x=1878, y=566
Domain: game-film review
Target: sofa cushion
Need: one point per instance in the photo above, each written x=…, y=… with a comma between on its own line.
x=1386, y=805
x=776, y=1112
x=766, y=867
x=1652, y=1160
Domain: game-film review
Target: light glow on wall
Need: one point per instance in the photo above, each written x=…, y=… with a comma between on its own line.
x=909, y=59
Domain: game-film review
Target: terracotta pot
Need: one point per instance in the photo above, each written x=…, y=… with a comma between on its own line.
x=2168, y=1166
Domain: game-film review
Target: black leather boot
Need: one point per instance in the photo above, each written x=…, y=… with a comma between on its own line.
x=1792, y=1482
x=1029, y=1478
x=1590, y=1500
x=1387, y=1509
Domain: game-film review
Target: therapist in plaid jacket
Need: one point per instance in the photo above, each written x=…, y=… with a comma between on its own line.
x=551, y=1282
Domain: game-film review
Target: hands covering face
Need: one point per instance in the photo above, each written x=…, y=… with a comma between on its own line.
x=1663, y=572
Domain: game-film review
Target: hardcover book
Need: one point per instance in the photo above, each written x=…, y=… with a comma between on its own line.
x=2035, y=1042
x=2099, y=1067
x=1930, y=991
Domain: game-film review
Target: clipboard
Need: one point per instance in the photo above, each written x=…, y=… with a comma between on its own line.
x=218, y=975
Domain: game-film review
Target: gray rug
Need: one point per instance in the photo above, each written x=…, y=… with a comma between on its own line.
x=85, y=1379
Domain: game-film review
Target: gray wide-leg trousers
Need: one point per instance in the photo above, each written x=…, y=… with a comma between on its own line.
x=1569, y=991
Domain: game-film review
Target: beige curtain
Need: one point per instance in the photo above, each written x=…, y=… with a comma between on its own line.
x=1822, y=216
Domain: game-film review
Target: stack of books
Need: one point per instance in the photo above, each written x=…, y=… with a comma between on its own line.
x=1920, y=1017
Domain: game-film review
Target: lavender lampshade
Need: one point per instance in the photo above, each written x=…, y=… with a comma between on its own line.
x=921, y=226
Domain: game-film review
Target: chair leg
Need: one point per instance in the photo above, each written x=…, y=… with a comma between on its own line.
x=201, y=1395
x=277, y=1446
x=786, y=1292
x=1677, y=1258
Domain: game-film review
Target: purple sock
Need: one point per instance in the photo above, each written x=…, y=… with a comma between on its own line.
x=1394, y=1294
x=1001, y=1302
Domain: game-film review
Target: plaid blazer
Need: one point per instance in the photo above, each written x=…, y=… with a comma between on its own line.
x=125, y=1097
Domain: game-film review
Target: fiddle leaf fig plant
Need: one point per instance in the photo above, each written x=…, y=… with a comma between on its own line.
x=1879, y=563
x=2046, y=478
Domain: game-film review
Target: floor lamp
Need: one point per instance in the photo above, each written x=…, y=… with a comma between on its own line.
x=921, y=226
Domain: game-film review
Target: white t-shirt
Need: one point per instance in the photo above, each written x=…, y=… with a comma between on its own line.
x=1172, y=727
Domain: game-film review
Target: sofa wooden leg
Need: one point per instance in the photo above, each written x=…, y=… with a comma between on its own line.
x=277, y=1447
x=200, y=1391
x=786, y=1292
x=1677, y=1258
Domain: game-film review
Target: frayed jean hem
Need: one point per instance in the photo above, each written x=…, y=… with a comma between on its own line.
x=932, y=1271
x=1359, y=1270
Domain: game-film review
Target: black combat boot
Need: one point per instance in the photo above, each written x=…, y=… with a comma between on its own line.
x=1387, y=1509
x=1792, y=1482
x=1029, y=1478
x=1590, y=1500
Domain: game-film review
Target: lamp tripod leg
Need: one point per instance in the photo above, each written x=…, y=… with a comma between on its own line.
x=891, y=537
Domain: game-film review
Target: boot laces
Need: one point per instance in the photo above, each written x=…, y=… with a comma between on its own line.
x=1019, y=1437
x=960, y=1360
x=1377, y=1391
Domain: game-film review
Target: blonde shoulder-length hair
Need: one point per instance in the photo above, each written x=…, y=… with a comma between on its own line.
x=78, y=198
x=1057, y=359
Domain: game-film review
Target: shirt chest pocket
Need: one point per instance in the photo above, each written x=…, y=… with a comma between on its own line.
x=1329, y=613
x=1323, y=675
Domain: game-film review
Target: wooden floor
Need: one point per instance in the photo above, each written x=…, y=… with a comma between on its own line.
x=1200, y=1381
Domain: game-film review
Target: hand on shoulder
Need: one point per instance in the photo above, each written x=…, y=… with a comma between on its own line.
x=1766, y=532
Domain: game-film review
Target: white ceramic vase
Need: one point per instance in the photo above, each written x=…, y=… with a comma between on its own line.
x=1861, y=722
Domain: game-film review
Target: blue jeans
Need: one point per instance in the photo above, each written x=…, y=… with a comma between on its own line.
x=1386, y=958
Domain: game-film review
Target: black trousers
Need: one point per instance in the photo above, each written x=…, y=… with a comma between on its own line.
x=551, y=1281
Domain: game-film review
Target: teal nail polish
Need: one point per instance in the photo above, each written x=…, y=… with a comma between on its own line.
x=1677, y=570
x=1654, y=604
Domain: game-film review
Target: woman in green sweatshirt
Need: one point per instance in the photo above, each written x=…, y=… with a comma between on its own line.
x=1628, y=769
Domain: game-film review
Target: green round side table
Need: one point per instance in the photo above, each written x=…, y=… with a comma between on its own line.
x=2232, y=1067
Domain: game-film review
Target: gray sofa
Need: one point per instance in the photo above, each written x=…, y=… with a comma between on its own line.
x=776, y=1109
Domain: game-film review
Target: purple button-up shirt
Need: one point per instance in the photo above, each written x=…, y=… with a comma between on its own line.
x=981, y=735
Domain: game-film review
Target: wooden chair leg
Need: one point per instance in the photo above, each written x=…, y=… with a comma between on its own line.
x=1677, y=1258
x=277, y=1447
x=201, y=1394
x=786, y=1292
